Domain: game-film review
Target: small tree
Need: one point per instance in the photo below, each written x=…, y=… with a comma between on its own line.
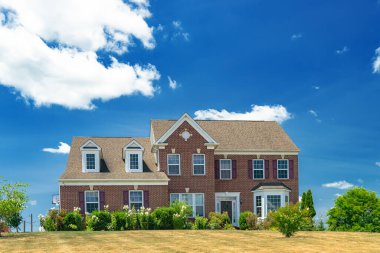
x=289, y=219
x=12, y=200
x=357, y=210
x=307, y=203
x=15, y=221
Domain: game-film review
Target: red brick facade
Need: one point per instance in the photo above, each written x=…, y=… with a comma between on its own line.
x=186, y=181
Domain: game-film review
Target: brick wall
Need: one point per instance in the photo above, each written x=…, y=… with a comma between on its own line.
x=158, y=195
x=195, y=183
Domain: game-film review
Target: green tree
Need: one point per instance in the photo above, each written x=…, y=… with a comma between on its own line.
x=307, y=203
x=357, y=210
x=12, y=200
x=289, y=219
x=15, y=220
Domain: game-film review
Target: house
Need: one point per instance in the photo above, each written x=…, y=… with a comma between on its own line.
x=230, y=166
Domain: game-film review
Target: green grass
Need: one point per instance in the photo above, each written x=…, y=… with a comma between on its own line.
x=190, y=241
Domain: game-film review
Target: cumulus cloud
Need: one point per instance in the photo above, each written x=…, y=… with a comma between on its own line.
x=63, y=148
x=266, y=112
x=342, y=185
x=296, y=36
x=342, y=51
x=172, y=83
x=50, y=57
x=376, y=62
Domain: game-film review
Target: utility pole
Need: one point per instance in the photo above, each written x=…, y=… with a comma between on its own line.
x=31, y=222
x=24, y=225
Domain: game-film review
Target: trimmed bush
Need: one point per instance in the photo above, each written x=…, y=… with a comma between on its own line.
x=119, y=221
x=164, y=217
x=218, y=220
x=99, y=221
x=248, y=220
x=73, y=221
x=145, y=219
x=200, y=223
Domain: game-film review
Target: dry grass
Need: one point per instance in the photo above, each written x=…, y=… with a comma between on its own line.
x=190, y=241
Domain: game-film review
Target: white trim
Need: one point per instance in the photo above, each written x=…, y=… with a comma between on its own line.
x=180, y=195
x=186, y=117
x=229, y=196
x=87, y=182
x=179, y=164
x=264, y=196
x=142, y=197
x=85, y=200
x=82, y=148
x=220, y=169
x=253, y=152
x=253, y=169
x=204, y=164
x=128, y=161
x=283, y=169
x=134, y=142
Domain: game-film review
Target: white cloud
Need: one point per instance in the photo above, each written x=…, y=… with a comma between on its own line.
x=172, y=83
x=33, y=202
x=63, y=148
x=314, y=113
x=376, y=62
x=337, y=195
x=180, y=32
x=342, y=51
x=377, y=164
x=315, y=87
x=69, y=74
x=266, y=112
x=342, y=185
x=296, y=36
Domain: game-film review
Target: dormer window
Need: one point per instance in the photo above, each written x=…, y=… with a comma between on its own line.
x=133, y=155
x=90, y=157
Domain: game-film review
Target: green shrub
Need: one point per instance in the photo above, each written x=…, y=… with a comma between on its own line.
x=248, y=220
x=163, y=217
x=132, y=219
x=200, y=223
x=145, y=218
x=49, y=224
x=100, y=221
x=73, y=221
x=119, y=221
x=54, y=220
x=289, y=219
x=218, y=220
x=267, y=223
x=181, y=213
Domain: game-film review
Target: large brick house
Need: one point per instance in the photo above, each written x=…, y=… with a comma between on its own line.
x=230, y=166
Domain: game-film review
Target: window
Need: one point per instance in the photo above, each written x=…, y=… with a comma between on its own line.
x=286, y=199
x=133, y=161
x=225, y=169
x=195, y=200
x=136, y=199
x=92, y=201
x=282, y=169
x=90, y=161
x=259, y=206
x=199, y=164
x=273, y=202
x=173, y=164
x=258, y=169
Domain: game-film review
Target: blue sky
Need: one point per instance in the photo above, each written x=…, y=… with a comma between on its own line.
x=312, y=65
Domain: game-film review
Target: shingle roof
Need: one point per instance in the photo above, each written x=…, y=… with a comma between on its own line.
x=112, y=164
x=269, y=184
x=238, y=135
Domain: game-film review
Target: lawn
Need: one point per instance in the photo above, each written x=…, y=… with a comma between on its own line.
x=190, y=241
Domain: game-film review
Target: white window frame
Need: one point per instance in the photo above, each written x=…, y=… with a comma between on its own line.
x=287, y=162
x=220, y=169
x=85, y=200
x=179, y=165
x=128, y=160
x=194, y=206
x=84, y=161
x=204, y=164
x=142, y=197
x=253, y=169
x=264, y=196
